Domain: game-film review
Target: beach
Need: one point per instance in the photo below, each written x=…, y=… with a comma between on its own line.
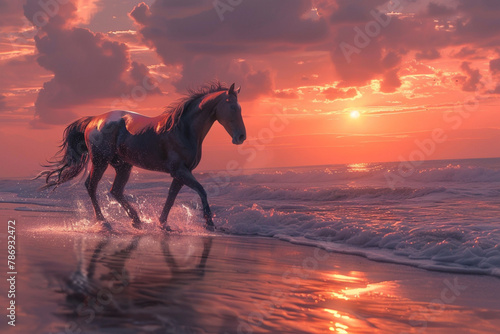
x=93, y=283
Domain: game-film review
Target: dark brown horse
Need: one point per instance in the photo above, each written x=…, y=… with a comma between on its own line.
x=170, y=142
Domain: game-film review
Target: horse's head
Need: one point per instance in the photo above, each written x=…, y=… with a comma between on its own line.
x=228, y=113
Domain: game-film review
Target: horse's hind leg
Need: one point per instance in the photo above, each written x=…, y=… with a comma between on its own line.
x=122, y=175
x=96, y=173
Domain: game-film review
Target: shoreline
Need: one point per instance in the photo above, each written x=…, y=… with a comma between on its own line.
x=242, y=284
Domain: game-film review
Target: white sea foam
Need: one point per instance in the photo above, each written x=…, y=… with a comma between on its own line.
x=470, y=249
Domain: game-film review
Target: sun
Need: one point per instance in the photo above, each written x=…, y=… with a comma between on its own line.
x=354, y=114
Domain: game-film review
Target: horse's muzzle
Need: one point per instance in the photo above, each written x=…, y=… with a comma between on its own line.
x=239, y=139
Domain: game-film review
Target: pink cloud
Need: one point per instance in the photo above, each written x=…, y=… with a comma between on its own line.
x=472, y=81
x=334, y=93
x=207, y=47
x=86, y=65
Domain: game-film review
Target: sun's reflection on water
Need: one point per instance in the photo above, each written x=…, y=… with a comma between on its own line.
x=345, y=297
x=358, y=167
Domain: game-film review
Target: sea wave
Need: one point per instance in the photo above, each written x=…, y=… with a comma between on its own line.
x=258, y=192
x=444, y=218
x=371, y=173
x=457, y=173
x=466, y=249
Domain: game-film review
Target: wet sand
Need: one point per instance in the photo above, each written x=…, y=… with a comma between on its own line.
x=74, y=282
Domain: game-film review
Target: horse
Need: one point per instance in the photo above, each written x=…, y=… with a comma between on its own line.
x=170, y=143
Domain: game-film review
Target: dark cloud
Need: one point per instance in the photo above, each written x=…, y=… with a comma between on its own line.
x=3, y=103
x=471, y=83
x=496, y=90
x=180, y=8
x=256, y=26
x=495, y=66
x=391, y=82
x=438, y=10
x=354, y=12
x=479, y=6
x=465, y=52
x=495, y=71
x=139, y=73
x=202, y=69
x=362, y=40
x=479, y=24
x=428, y=54
x=86, y=65
x=360, y=67
x=367, y=39
x=207, y=47
x=391, y=60
x=334, y=93
x=366, y=46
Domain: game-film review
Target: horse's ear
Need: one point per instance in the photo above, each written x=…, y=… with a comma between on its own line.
x=231, y=90
x=238, y=90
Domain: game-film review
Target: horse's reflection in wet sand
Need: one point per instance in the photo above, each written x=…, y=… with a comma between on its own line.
x=110, y=289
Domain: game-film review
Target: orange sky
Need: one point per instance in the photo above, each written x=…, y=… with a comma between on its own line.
x=302, y=65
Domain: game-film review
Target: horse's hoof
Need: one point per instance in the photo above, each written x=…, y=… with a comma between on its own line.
x=222, y=229
x=106, y=226
x=137, y=225
x=166, y=228
x=209, y=227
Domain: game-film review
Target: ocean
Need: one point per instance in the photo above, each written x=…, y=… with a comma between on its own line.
x=440, y=215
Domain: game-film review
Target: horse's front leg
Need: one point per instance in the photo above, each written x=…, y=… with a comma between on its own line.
x=175, y=187
x=187, y=178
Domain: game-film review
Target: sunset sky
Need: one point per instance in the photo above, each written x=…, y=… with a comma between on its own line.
x=322, y=82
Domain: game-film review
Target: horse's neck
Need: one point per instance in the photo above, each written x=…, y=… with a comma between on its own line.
x=200, y=118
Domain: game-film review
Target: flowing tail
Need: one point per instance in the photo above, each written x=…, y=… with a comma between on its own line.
x=71, y=158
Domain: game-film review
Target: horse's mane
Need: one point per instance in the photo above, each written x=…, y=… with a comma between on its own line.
x=174, y=111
